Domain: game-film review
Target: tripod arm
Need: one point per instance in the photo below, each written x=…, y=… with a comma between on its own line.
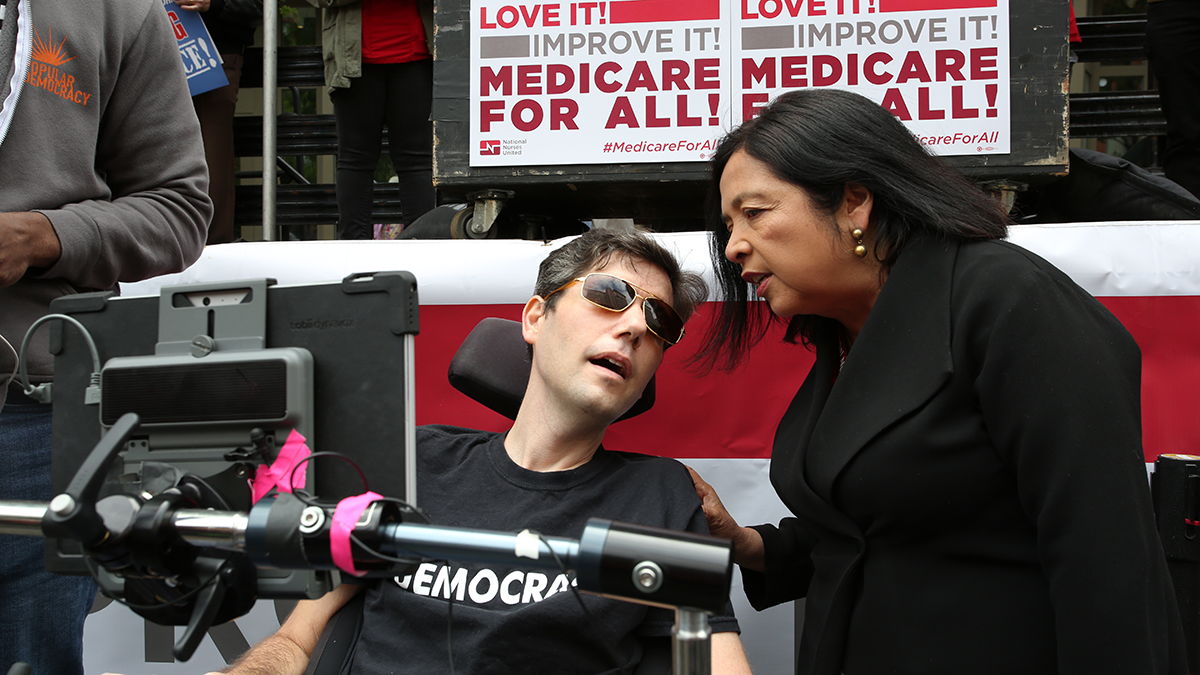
x=630, y=562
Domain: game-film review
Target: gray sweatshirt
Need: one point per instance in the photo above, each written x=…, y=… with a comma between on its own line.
x=97, y=132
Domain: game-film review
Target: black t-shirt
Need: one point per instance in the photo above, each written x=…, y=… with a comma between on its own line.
x=513, y=620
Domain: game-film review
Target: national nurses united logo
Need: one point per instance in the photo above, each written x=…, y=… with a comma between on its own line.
x=46, y=70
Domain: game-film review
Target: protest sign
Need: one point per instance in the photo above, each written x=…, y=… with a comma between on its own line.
x=597, y=82
x=621, y=81
x=201, y=62
x=941, y=66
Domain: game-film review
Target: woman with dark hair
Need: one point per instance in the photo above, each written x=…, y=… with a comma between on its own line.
x=964, y=459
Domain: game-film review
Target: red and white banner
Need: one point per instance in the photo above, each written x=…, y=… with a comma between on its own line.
x=1147, y=274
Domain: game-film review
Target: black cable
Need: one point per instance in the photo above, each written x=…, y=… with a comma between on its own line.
x=381, y=555
x=450, y=629
x=405, y=505
x=299, y=494
x=612, y=654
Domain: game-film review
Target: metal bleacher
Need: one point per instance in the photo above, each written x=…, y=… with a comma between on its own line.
x=1121, y=113
x=297, y=202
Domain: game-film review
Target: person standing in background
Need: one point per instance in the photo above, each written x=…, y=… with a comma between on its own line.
x=231, y=23
x=1173, y=45
x=379, y=68
x=102, y=180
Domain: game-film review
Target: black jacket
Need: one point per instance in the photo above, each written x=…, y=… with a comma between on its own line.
x=971, y=495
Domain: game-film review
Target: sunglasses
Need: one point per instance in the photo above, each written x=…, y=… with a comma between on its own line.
x=616, y=294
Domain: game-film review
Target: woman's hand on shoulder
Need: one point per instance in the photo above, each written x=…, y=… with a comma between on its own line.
x=747, y=543
x=720, y=522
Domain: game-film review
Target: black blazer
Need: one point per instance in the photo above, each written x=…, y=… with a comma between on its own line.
x=970, y=491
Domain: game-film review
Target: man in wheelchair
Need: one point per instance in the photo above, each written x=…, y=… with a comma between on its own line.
x=606, y=307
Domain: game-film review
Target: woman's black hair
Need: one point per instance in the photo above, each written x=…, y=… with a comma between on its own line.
x=821, y=140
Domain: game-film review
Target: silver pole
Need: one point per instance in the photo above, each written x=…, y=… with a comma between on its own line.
x=22, y=518
x=270, y=105
x=410, y=420
x=212, y=529
x=692, y=648
x=465, y=544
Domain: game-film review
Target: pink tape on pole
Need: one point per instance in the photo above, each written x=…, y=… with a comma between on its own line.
x=345, y=516
x=279, y=474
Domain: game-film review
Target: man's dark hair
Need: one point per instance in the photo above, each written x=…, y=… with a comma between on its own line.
x=821, y=140
x=597, y=247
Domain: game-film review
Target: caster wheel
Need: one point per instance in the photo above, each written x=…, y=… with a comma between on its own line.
x=460, y=226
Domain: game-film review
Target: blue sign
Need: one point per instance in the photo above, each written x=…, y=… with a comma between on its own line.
x=201, y=61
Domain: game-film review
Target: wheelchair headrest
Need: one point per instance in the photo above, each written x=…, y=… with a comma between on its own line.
x=492, y=366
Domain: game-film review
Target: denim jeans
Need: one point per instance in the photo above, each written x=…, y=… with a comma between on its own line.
x=41, y=614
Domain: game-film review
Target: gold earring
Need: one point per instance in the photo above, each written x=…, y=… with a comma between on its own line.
x=859, y=250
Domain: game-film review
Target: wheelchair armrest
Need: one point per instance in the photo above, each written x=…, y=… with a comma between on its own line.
x=336, y=644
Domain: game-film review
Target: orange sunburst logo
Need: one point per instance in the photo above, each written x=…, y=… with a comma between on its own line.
x=45, y=51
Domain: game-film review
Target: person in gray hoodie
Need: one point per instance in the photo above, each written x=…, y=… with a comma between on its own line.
x=102, y=180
